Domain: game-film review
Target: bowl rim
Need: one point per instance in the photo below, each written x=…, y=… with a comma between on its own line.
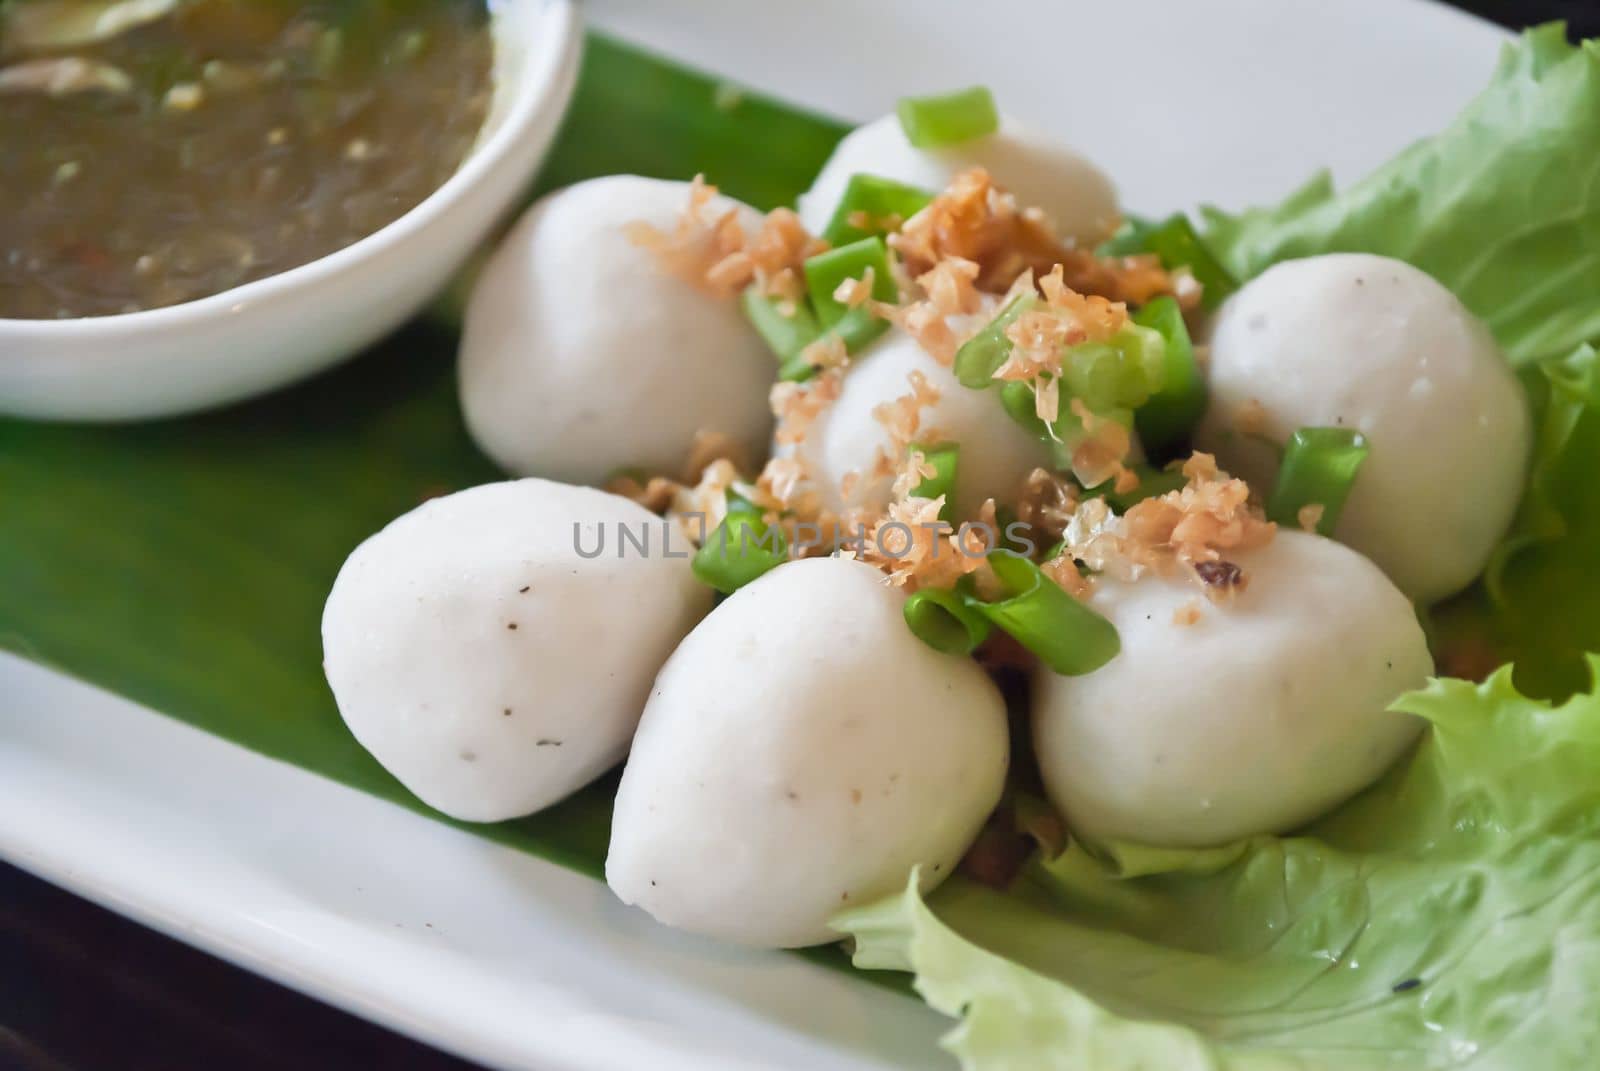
x=556, y=37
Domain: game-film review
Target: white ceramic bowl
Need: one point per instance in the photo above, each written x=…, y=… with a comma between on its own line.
x=276, y=330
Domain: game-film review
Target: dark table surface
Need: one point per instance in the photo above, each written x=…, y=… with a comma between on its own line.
x=82, y=988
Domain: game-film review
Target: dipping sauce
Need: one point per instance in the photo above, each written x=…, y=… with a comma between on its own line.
x=157, y=151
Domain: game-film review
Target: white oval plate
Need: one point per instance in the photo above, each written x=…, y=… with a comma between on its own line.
x=504, y=958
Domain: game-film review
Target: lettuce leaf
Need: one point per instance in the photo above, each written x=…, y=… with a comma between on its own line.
x=1542, y=583
x=1502, y=207
x=1447, y=918
x=1539, y=603
x=1565, y=393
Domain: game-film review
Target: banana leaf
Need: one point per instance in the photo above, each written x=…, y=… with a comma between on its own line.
x=184, y=563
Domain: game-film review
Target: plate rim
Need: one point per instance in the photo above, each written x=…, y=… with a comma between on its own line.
x=61, y=867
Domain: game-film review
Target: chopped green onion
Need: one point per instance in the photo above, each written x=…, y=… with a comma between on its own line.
x=859, y=327
x=1144, y=363
x=945, y=620
x=1166, y=420
x=1152, y=484
x=1009, y=536
x=1121, y=373
x=945, y=459
x=785, y=335
x=1319, y=468
x=825, y=271
x=1174, y=240
x=982, y=355
x=878, y=200
x=1092, y=371
x=737, y=503
x=739, y=550
x=1064, y=436
x=948, y=119
x=1067, y=636
x=796, y=369
x=1021, y=405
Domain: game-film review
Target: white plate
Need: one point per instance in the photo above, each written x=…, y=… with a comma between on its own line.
x=506, y=959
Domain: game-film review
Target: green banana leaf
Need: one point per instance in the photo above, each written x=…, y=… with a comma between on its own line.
x=184, y=563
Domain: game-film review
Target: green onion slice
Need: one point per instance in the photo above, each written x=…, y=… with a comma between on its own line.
x=739, y=550
x=1067, y=636
x=1144, y=363
x=1092, y=371
x=1319, y=468
x=796, y=369
x=1013, y=537
x=948, y=119
x=878, y=199
x=1174, y=240
x=825, y=271
x=859, y=327
x=1065, y=434
x=1019, y=401
x=1166, y=420
x=1017, y=398
x=1178, y=246
x=945, y=458
x=982, y=355
x=1152, y=484
x=737, y=503
x=943, y=619
x=1121, y=373
x=785, y=335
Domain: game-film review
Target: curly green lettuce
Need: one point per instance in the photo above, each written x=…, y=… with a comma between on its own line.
x=1502, y=207
x=1448, y=918
x=1539, y=603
